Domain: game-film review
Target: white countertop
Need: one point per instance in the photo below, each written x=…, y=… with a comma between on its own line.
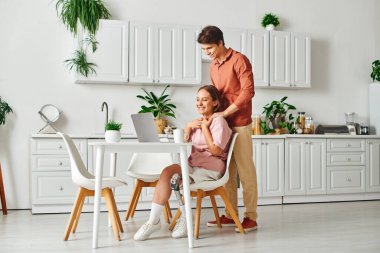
x=279, y=136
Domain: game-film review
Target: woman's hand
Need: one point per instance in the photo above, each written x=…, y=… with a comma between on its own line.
x=206, y=123
x=194, y=124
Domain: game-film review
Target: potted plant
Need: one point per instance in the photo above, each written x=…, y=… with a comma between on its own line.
x=376, y=71
x=87, y=13
x=4, y=110
x=374, y=102
x=113, y=131
x=278, y=117
x=270, y=21
x=160, y=106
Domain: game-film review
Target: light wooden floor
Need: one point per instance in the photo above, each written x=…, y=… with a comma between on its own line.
x=324, y=227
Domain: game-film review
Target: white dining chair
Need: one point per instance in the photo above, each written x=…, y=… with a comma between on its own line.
x=86, y=183
x=212, y=189
x=146, y=168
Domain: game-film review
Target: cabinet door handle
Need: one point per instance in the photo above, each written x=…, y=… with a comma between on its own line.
x=60, y=146
x=348, y=179
x=61, y=189
x=348, y=159
x=154, y=81
x=158, y=81
x=60, y=163
x=348, y=145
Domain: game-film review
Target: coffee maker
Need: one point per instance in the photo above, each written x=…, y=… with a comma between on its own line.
x=350, y=123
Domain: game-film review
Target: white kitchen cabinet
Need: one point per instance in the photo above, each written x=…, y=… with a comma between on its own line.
x=346, y=165
x=279, y=75
x=164, y=54
x=111, y=57
x=373, y=166
x=189, y=53
x=258, y=54
x=300, y=60
x=272, y=167
x=305, y=166
x=51, y=182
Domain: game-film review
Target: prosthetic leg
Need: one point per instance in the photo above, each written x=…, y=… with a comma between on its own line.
x=175, y=182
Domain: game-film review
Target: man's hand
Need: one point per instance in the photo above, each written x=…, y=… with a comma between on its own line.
x=218, y=114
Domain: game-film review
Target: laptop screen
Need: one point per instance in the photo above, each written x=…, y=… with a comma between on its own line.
x=145, y=127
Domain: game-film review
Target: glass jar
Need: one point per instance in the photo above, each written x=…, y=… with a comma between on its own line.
x=257, y=124
x=301, y=119
x=309, y=125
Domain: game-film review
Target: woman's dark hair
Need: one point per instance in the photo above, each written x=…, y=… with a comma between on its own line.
x=210, y=35
x=214, y=93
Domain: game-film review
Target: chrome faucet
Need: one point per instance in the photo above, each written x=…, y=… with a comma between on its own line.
x=106, y=105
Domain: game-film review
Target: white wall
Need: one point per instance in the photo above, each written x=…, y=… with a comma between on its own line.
x=34, y=44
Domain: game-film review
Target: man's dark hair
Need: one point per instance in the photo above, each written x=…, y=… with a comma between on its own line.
x=210, y=35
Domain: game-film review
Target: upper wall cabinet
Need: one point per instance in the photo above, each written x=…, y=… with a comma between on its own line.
x=111, y=57
x=164, y=54
x=289, y=59
x=258, y=54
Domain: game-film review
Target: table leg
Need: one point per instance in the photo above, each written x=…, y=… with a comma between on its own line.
x=113, y=157
x=186, y=194
x=98, y=193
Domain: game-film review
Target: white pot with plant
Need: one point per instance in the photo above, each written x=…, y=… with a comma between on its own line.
x=374, y=102
x=113, y=131
x=160, y=106
x=270, y=21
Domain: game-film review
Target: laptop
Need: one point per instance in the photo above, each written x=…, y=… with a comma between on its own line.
x=145, y=127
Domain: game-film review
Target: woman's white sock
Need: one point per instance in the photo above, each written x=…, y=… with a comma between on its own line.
x=155, y=213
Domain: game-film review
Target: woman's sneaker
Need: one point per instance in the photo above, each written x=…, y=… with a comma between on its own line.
x=224, y=221
x=180, y=230
x=146, y=230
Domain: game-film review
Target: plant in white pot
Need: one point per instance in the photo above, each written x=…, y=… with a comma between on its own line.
x=374, y=102
x=113, y=131
x=270, y=21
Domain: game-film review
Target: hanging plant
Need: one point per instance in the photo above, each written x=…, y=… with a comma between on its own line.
x=87, y=13
x=80, y=64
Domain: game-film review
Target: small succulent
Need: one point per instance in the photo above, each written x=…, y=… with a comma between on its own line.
x=270, y=19
x=113, y=125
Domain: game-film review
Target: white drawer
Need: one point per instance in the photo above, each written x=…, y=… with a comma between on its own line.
x=334, y=159
x=342, y=145
x=56, y=146
x=53, y=188
x=53, y=162
x=345, y=179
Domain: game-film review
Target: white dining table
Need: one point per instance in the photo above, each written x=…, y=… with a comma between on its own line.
x=140, y=147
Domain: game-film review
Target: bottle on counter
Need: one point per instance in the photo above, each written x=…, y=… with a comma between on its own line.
x=309, y=125
x=257, y=124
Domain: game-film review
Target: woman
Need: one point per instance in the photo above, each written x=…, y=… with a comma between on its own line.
x=210, y=139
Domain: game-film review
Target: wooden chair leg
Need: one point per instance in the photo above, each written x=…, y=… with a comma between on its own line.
x=166, y=214
x=230, y=209
x=216, y=213
x=118, y=221
x=174, y=221
x=167, y=206
x=107, y=192
x=2, y=194
x=78, y=201
x=198, y=213
x=132, y=202
x=136, y=201
x=77, y=217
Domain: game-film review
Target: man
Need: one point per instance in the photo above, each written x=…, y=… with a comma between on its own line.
x=231, y=73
